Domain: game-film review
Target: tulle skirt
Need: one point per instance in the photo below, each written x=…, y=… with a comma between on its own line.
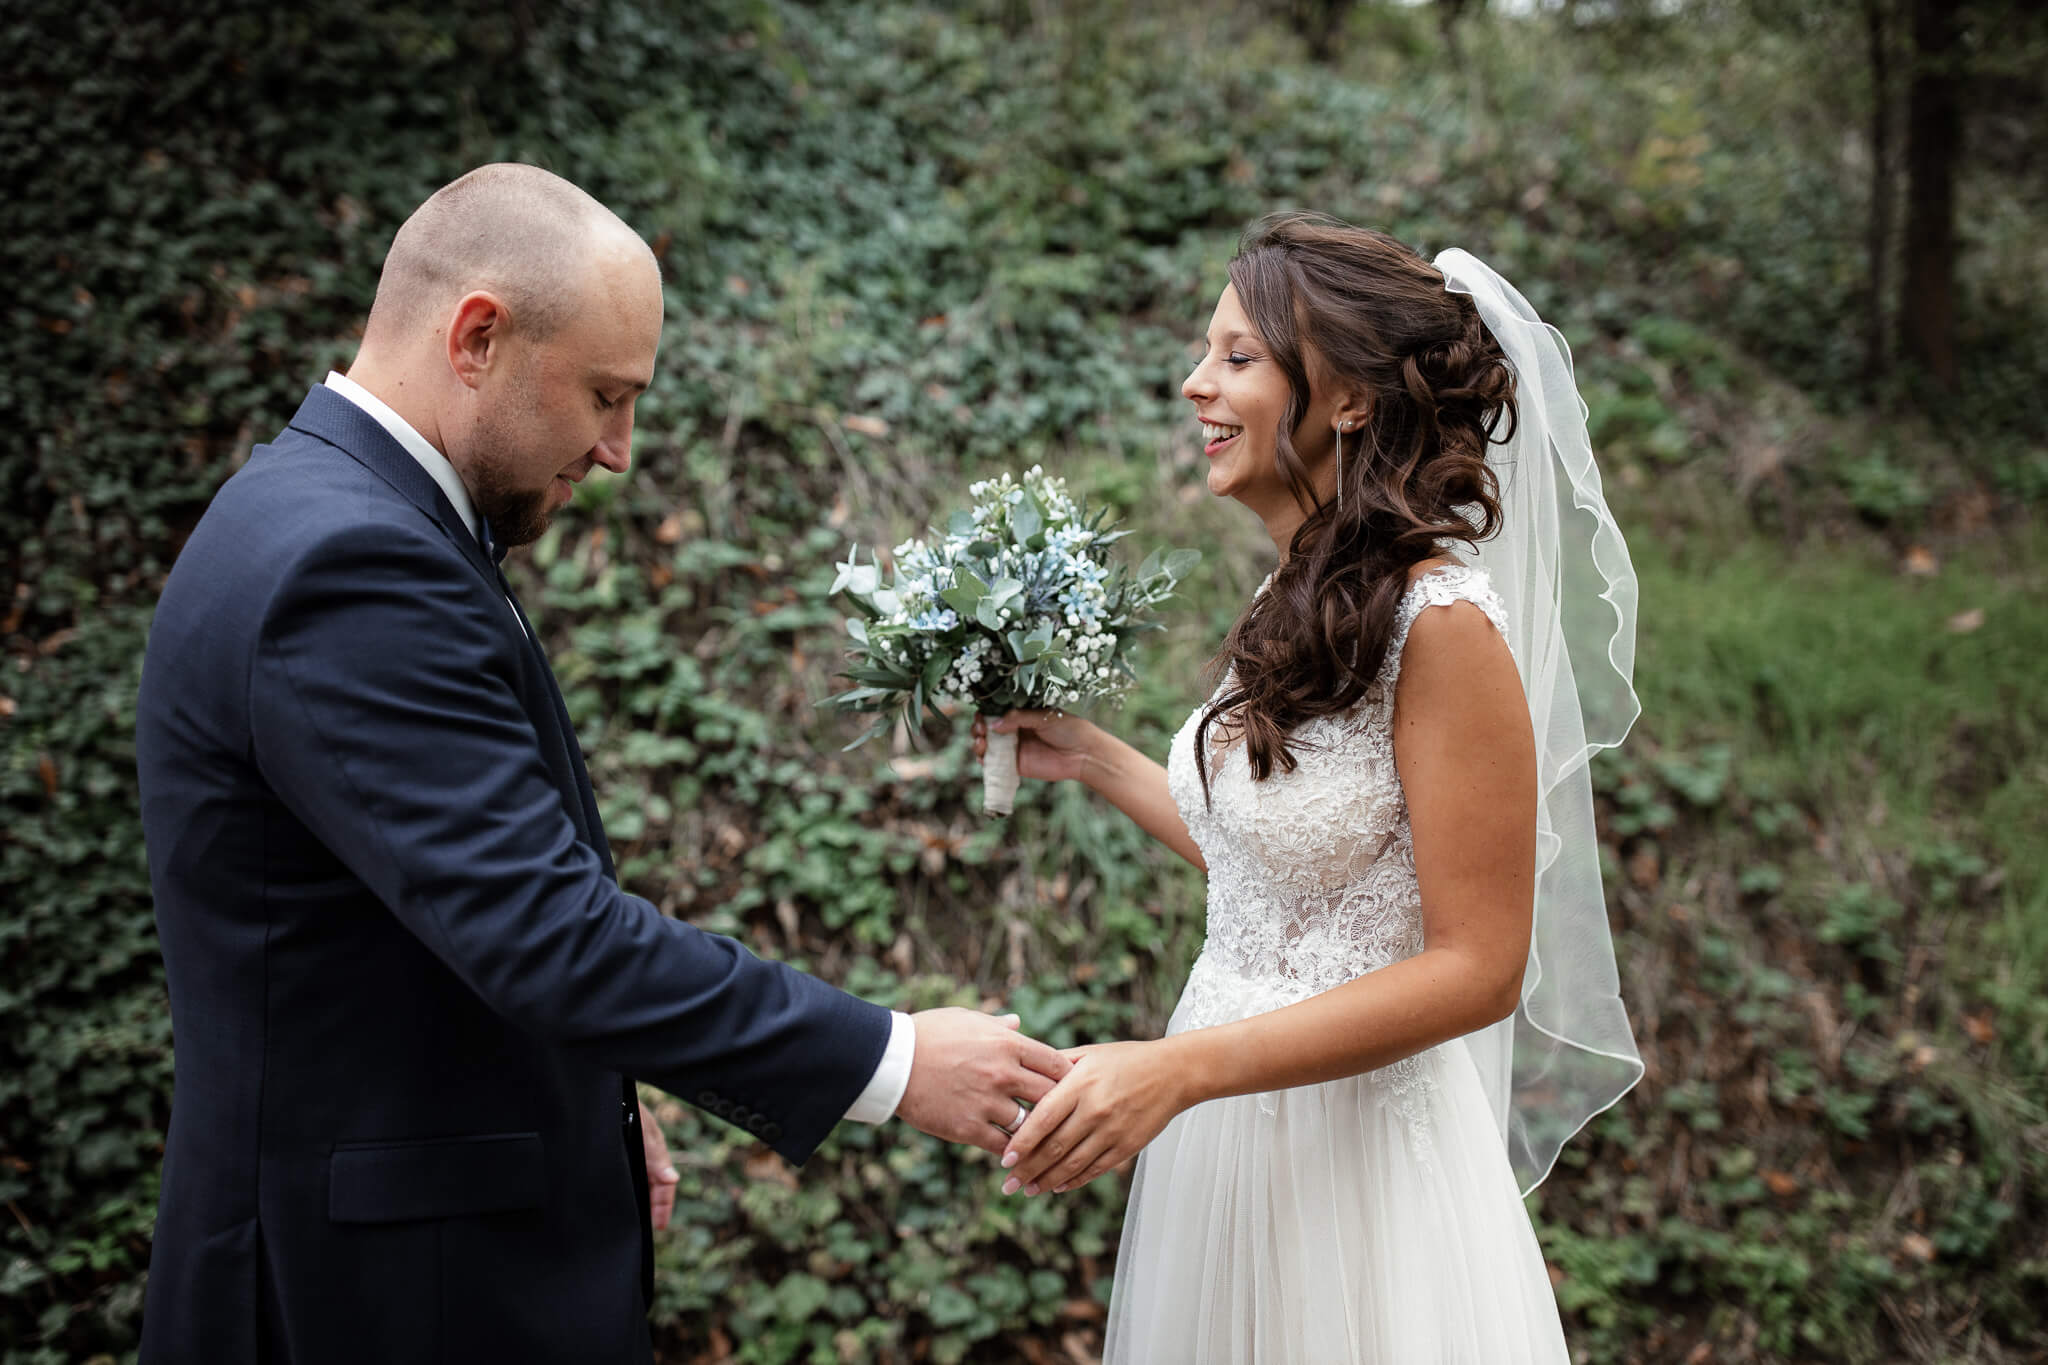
x=1372, y=1220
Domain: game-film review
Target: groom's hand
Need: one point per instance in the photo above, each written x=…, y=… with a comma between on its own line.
x=661, y=1175
x=969, y=1074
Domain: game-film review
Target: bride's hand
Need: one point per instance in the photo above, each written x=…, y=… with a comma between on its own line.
x=1051, y=745
x=1116, y=1099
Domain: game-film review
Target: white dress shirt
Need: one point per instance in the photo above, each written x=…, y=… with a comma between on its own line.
x=884, y=1091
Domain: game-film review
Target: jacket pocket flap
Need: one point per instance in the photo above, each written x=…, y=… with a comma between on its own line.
x=392, y=1182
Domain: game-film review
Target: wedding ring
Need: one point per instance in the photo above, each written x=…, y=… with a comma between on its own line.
x=1018, y=1122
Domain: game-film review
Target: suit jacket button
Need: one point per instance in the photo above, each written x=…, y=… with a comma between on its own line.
x=769, y=1131
x=707, y=1098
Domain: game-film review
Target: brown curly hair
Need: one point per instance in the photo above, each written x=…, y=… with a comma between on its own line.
x=1335, y=302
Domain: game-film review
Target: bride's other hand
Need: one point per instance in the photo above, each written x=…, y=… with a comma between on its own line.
x=1052, y=746
x=1116, y=1099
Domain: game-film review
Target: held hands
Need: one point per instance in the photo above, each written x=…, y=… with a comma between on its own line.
x=1052, y=746
x=972, y=1073
x=1116, y=1099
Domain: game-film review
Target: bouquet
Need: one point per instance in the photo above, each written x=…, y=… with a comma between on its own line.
x=1017, y=605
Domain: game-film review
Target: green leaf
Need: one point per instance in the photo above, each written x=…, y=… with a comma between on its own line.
x=882, y=725
x=1027, y=523
x=935, y=671
x=966, y=595
x=1181, y=563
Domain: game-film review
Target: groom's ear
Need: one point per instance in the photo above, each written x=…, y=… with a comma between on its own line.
x=477, y=332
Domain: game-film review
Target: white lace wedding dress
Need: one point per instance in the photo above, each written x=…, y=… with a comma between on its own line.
x=1371, y=1220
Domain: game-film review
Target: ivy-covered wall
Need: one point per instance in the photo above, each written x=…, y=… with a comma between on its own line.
x=908, y=244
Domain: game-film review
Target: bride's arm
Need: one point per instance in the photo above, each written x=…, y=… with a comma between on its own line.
x=1051, y=747
x=1463, y=746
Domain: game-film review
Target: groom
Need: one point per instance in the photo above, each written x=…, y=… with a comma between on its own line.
x=409, y=996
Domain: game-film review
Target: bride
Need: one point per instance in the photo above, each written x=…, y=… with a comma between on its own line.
x=1407, y=1000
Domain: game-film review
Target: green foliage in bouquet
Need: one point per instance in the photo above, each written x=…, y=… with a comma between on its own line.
x=1018, y=604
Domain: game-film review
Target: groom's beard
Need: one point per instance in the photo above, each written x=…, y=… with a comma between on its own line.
x=517, y=516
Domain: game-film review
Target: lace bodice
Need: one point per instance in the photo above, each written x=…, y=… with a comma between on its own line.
x=1311, y=872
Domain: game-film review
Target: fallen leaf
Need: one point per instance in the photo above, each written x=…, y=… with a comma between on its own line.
x=1782, y=1183
x=6, y=707
x=1917, y=1246
x=671, y=529
x=1963, y=622
x=1643, y=868
x=46, y=768
x=866, y=426
x=1920, y=562
x=1982, y=1030
x=764, y=1165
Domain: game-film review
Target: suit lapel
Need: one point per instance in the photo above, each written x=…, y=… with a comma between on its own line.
x=333, y=419
x=586, y=796
x=329, y=417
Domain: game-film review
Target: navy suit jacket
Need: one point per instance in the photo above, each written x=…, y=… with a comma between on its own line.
x=406, y=989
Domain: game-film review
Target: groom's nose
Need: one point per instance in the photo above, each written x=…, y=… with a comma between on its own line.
x=614, y=448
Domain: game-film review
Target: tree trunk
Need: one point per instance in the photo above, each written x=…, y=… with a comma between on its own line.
x=1934, y=144
x=1883, y=190
x=1319, y=22
x=1447, y=15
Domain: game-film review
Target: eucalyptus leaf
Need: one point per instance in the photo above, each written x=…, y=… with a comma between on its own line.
x=966, y=594
x=1027, y=522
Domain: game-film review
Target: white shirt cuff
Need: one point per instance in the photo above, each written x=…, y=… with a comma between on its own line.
x=877, y=1103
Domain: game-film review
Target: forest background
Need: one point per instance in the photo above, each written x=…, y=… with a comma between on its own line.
x=1796, y=249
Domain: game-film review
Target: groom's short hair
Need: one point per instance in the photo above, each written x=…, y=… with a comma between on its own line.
x=518, y=231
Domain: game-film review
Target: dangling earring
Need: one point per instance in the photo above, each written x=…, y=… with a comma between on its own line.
x=1344, y=427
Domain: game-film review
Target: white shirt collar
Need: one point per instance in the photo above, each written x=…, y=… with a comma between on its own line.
x=433, y=461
